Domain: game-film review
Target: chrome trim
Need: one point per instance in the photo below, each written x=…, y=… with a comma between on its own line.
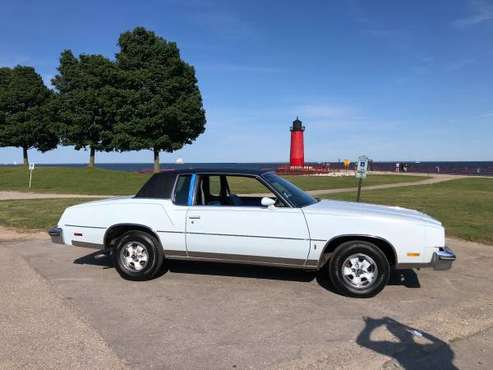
x=239, y=235
x=443, y=258
x=77, y=243
x=87, y=227
x=243, y=259
x=172, y=197
x=175, y=253
x=248, y=236
x=56, y=234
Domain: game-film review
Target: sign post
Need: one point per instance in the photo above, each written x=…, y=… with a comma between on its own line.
x=361, y=173
x=31, y=169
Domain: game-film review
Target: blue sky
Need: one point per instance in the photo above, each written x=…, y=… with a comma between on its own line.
x=396, y=80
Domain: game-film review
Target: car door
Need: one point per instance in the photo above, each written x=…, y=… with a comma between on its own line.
x=246, y=232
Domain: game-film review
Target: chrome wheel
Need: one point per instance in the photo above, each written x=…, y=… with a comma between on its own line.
x=134, y=256
x=359, y=270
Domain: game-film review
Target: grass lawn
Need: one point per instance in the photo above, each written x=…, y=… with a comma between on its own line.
x=465, y=206
x=107, y=182
x=72, y=180
x=34, y=214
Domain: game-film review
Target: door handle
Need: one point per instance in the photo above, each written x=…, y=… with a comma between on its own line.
x=194, y=217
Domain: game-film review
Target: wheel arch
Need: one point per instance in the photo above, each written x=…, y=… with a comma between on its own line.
x=383, y=244
x=112, y=233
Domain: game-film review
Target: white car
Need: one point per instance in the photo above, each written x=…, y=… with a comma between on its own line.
x=194, y=214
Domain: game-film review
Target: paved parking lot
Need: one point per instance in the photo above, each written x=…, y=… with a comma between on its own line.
x=67, y=307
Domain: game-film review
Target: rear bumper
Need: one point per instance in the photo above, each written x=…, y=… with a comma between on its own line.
x=443, y=258
x=56, y=234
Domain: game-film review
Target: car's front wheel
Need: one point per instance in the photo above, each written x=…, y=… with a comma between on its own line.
x=138, y=256
x=359, y=269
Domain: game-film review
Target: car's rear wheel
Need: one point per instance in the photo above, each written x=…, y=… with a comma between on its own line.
x=138, y=256
x=359, y=269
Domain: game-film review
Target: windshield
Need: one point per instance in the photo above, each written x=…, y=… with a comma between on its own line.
x=292, y=193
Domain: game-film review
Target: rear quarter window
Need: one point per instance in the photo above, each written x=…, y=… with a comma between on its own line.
x=181, y=190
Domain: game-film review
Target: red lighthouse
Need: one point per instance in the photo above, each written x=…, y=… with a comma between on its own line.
x=297, y=153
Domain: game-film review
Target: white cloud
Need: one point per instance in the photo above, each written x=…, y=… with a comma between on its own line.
x=482, y=12
x=14, y=60
x=487, y=115
x=325, y=112
x=231, y=67
x=459, y=64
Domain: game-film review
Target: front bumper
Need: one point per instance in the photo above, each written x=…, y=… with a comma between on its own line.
x=443, y=258
x=56, y=234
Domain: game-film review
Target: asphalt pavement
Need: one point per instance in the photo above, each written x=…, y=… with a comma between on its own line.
x=65, y=307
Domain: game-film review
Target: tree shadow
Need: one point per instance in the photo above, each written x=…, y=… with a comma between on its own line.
x=414, y=349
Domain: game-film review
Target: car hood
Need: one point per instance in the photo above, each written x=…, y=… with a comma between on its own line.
x=368, y=210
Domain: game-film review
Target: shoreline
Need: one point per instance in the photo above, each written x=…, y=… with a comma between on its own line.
x=466, y=168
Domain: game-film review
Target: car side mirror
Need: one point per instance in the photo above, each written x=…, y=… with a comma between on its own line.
x=267, y=202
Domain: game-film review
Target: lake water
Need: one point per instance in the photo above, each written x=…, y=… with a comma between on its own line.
x=482, y=168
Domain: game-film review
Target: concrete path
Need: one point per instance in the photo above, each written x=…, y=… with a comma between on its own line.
x=13, y=195
x=65, y=307
x=433, y=180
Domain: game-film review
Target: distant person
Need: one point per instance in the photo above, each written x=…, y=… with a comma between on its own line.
x=437, y=169
x=397, y=167
x=404, y=167
x=478, y=170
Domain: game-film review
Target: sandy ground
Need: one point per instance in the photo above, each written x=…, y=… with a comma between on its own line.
x=9, y=234
x=65, y=307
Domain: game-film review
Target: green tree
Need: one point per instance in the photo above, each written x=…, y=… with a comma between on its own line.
x=163, y=109
x=87, y=101
x=25, y=111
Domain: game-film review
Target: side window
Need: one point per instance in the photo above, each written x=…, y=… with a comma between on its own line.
x=243, y=186
x=232, y=191
x=214, y=185
x=181, y=190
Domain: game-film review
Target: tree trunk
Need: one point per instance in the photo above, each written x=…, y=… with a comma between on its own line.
x=157, y=167
x=25, y=156
x=92, y=157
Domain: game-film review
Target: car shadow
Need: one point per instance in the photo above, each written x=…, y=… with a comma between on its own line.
x=407, y=278
x=240, y=270
x=411, y=348
x=97, y=258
